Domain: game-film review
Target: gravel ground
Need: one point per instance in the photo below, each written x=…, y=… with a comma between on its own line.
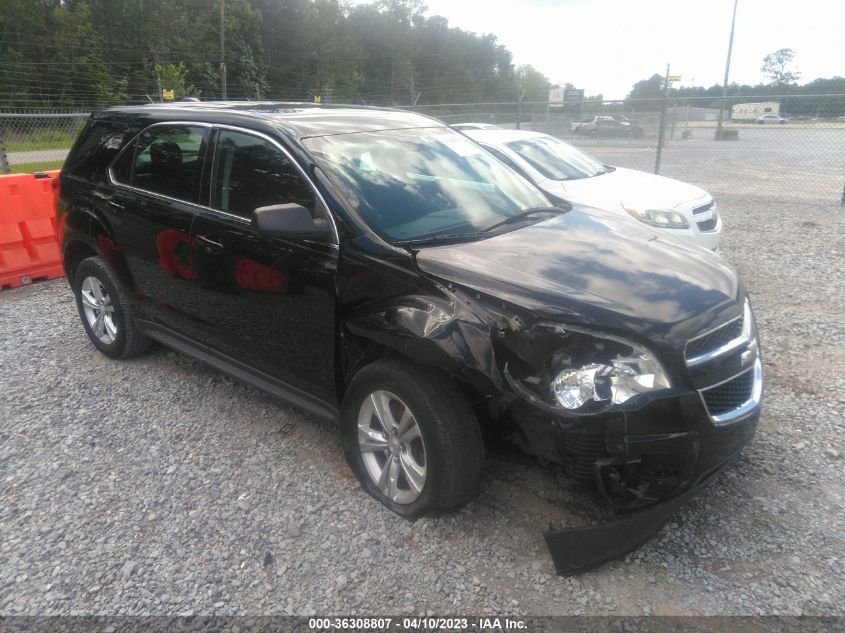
x=158, y=486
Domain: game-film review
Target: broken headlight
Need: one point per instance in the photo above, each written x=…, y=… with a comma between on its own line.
x=616, y=381
x=559, y=367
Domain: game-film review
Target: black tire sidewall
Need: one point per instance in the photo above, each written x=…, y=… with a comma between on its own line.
x=419, y=404
x=94, y=267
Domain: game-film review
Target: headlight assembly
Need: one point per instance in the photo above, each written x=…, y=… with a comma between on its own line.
x=617, y=381
x=588, y=372
x=661, y=218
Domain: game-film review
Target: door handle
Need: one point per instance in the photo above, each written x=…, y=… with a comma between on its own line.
x=209, y=244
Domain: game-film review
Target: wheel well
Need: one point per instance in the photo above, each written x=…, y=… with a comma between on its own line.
x=75, y=252
x=370, y=352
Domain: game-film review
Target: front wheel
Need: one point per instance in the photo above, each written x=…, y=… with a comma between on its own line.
x=412, y=439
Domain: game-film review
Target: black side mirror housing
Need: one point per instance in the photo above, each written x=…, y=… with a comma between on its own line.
x=290, y=221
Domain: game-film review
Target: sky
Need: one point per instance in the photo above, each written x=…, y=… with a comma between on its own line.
x=605, y=46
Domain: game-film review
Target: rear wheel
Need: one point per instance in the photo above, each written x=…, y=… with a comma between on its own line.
x=105, y=310
x=412, y=439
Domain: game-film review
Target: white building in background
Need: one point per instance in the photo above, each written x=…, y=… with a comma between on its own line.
x=750, y=111
x=691, y=113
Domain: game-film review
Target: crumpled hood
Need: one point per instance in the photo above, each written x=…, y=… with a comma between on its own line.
x=596, y=268
x=635, y=189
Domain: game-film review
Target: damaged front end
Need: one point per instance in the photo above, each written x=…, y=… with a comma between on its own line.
x=612, y=412
x=606, y=410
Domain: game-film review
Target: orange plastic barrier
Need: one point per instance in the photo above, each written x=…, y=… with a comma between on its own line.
x=29, y=247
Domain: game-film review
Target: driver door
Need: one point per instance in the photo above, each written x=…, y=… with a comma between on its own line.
x=265, y=303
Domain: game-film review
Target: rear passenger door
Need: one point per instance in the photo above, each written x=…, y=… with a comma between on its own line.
x=150, y=205
x=265, y=302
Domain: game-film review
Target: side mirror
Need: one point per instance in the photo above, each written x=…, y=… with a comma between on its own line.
x=290, y=221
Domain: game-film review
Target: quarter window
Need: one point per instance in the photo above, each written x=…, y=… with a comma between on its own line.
x=167, y=161
x=251, y=172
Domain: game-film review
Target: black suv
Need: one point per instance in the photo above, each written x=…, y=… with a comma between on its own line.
x=378, y=268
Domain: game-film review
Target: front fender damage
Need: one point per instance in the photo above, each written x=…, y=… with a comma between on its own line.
x=441, y=331
x=479, y=339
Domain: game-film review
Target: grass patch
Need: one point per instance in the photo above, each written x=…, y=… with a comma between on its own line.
x=46, y=139
x=28, y=168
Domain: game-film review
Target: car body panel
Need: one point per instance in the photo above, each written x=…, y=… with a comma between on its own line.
x=656, y=287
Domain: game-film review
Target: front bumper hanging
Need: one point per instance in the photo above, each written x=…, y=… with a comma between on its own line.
x=576, y=550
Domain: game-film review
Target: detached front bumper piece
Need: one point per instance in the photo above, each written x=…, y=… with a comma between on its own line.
x=576, y=550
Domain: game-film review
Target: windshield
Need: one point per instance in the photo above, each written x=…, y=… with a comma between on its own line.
x=422, y=183
x=555, y=159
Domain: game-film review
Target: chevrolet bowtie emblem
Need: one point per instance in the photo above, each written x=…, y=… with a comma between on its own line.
x=749, y=355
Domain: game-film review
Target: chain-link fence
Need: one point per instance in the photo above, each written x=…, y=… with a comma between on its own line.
x=778, y=149
x=37, y=141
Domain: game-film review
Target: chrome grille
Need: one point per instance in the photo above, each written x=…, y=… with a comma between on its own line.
x=715, y=339
x=738, y=395
x=703, y=208
x=729, y=395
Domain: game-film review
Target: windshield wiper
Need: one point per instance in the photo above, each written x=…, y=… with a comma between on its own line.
x=458, y=237
x=522, y=215
x=437, y=239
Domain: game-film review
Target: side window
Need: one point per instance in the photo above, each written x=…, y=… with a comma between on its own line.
x=167, y=160
x=96, y=148
x=122, y=168
x=250, y=172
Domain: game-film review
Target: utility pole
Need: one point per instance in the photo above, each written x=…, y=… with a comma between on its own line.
x=223, y=89
x=160, y=93
x=661, y=133
x=691, y=100
x=5, y=169
x=519, y=109
x=727, y=70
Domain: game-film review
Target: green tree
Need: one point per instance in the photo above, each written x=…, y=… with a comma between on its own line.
x=174, y=77
x=775, y=67
x=532, y=84
x=646, y=94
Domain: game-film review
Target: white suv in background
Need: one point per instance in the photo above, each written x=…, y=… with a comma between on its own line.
x=562, y=171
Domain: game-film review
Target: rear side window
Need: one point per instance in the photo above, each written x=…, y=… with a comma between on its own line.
x=167, y=160
x=251, y=172
x=96, y=147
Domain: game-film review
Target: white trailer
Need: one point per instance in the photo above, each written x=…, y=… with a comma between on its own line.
x=750, y=111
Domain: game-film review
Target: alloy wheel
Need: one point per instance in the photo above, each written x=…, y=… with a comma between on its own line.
x=99, y=310
x=392, y=447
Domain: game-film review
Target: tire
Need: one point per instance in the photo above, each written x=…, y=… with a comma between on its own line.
x=452, y=447
x=107, y=318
